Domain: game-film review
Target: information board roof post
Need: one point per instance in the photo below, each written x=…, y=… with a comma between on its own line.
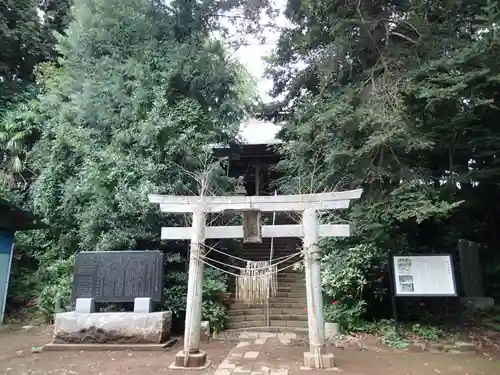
x=392, y=281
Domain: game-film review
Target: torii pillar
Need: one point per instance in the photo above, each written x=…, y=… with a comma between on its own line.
x=192, y=356
x=315, y=357
x=309, y=230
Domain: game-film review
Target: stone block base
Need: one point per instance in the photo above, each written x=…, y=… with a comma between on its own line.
x=477, y=303
x=194, y=360
x=108, y=347
x=327, y=360
x=112, y=328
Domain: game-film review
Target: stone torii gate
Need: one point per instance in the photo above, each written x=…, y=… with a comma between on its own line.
x=308, y=230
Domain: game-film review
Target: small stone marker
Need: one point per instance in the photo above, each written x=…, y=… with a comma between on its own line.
x=85, y=305
x=205, y=331
x=143, y=305
x=472, y=277
x=470, y=268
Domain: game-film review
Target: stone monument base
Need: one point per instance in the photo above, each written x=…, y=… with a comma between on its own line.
x=194, y=360
x=478, y=303
x=112, y=328
x=51, y=347
x=327, y=360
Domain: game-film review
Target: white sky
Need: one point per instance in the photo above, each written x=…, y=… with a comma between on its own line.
x=251, y=57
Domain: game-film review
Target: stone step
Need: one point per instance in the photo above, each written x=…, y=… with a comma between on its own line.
x=302, y=333
x=245, y=324
x=253, y=318
x=297, y=317
x=282, y=281
x=279, y=299
x=278, y=252
x=289, y=323
x=265, y=251
x=281, y=262
x=266, y=244
x=291, y=276
x=272, y=311
x=265, y=257
x=300, y=299
x=284, y=258
x=291, y=287
x=262, y=323
x=264, y=254
x=294, y=288
x=293, y=279
x=283, y=287
x=272, y=304
x=297, y=295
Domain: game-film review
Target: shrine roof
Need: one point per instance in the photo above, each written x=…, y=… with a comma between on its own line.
x=14, y=218
x=246, y=151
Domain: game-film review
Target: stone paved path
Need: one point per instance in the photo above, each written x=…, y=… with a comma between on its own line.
x=244, y=358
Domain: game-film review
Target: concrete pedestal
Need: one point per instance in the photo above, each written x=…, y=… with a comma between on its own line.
x=205, y=331
x=112, y=328
x=331, y=330
x=143, y=305
x=477, y=303
x=85, y=305
x=327, y=360
x=194, y=360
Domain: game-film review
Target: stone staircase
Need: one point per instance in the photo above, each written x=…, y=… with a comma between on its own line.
x=287, y=311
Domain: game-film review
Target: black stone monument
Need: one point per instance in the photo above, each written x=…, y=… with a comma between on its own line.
x=118, y=276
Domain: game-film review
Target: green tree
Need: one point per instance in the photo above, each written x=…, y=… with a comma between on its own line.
x=26, y=38
x=131, y=107
x=128, y=110
x=17, y=134
x=398, y=98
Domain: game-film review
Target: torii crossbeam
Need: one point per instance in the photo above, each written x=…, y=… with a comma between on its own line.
x=309, y=230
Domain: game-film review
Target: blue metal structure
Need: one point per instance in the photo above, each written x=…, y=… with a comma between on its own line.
x=12, y=219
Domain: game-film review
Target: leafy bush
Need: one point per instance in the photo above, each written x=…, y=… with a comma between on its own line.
x=176, y=292
x=351, y=314
x=56, y=282
x=347, y=314
x=426, y=332
x=215, y=313
x=390, y=336
x=214, y=283
x=346, y=270
x=331, y=312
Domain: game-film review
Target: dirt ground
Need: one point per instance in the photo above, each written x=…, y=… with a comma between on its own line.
x=379, y=359
x=16, y=358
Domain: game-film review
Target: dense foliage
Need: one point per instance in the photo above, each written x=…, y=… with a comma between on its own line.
x=110, y=100
x=138, y=94
x=26, y=39
x=399, y=98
